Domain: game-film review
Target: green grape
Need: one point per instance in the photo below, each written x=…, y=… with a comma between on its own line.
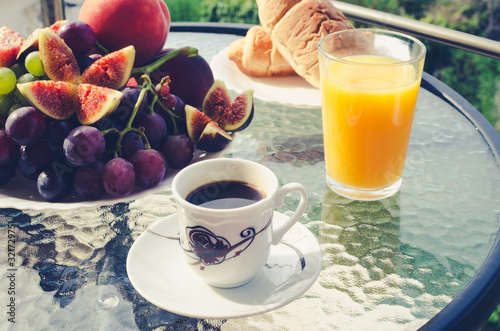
x=6, y=102
x=33, y=64
x=7, y=80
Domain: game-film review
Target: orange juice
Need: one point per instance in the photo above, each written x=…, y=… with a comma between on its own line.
x=367, y=117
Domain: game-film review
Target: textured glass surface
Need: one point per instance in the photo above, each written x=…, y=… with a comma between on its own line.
x=389, y=264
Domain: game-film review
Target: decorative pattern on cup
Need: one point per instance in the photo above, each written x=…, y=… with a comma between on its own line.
x=210, y=249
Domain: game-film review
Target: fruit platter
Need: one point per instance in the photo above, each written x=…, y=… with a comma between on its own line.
x=88, y=118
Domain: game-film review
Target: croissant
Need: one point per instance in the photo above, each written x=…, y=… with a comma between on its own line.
x=296, y=27
x=256, y=55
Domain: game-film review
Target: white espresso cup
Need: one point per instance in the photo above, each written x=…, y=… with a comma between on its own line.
x=228, y=246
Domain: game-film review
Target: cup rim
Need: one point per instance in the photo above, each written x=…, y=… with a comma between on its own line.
x=419, y=57
x=182, y=201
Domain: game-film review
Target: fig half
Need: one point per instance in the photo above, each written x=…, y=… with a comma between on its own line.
x=31, y=43
x=112, y=70
x=58, y=100
x=196, y=121
x=57, y=58
x=213, y=138
x=230, y=116
x=96, y=102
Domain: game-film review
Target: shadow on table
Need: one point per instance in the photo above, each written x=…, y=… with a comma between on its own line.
x=45, y=248
x=365, y=255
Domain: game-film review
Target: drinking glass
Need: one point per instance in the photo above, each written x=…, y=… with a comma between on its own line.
x=370, y=80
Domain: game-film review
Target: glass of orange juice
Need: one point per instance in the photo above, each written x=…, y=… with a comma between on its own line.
x=369, y=86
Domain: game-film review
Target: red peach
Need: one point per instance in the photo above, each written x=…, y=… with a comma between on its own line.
x=120, y=23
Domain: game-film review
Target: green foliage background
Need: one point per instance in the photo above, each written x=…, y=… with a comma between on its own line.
x=475, y=77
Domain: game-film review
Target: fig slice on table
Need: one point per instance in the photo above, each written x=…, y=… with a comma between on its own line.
x=196, y=121
x=10, y=44
x=230, y=116
x=213, y=138
x=57, y=58
x=96, y=102
x=58, y=100
x=112, y=70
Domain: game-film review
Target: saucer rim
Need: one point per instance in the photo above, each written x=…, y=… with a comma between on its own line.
x=252, y=309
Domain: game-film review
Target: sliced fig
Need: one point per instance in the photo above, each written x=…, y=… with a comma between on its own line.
x=112, y=70
x=213, y=138
x=96, y=102
x=10, y=44
x=58, y=100
x=31, y=43
x=240, y=114
x=196, y=121
x=230, y=116
x=216, y=101
x=57, y=58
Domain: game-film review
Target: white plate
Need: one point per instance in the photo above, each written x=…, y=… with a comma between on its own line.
x=291, y=91
x=21, y=193
x=158, y=271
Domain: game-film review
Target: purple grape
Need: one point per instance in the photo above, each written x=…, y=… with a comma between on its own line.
x=83, y=145
x=165, y=90
x=149, y=166
x=155, y=128
x=170, y=101
x=118, y=177
x=84, y=62
x=34, y=158
x=7, y=172
x=177, y=109
x=55, y=134
x=120, y=116
x=8, y=148
x=131, y=143
x=178, y=150
x=25, y=125
x=78, y=35
x=88, y=181
x=52, y=185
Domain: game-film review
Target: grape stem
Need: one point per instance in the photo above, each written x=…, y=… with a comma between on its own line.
x=183, y=51
x=101, y=48
x=173, y=117
x=146, y=85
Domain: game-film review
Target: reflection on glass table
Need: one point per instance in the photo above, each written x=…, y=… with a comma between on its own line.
x=392, y=264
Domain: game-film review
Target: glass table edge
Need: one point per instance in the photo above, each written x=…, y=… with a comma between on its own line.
x=472, y=307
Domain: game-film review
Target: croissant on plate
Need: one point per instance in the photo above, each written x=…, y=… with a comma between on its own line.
x=294, y=28
x=256, y=55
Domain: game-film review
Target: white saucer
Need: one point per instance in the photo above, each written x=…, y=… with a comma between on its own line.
x=158, y=271
x=292, y=91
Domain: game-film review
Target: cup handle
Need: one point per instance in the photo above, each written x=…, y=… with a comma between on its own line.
x=278, y=233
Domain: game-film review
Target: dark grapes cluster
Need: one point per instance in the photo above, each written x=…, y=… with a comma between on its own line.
x=134, y=147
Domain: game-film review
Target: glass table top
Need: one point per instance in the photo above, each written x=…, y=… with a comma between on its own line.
x=391, y=264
